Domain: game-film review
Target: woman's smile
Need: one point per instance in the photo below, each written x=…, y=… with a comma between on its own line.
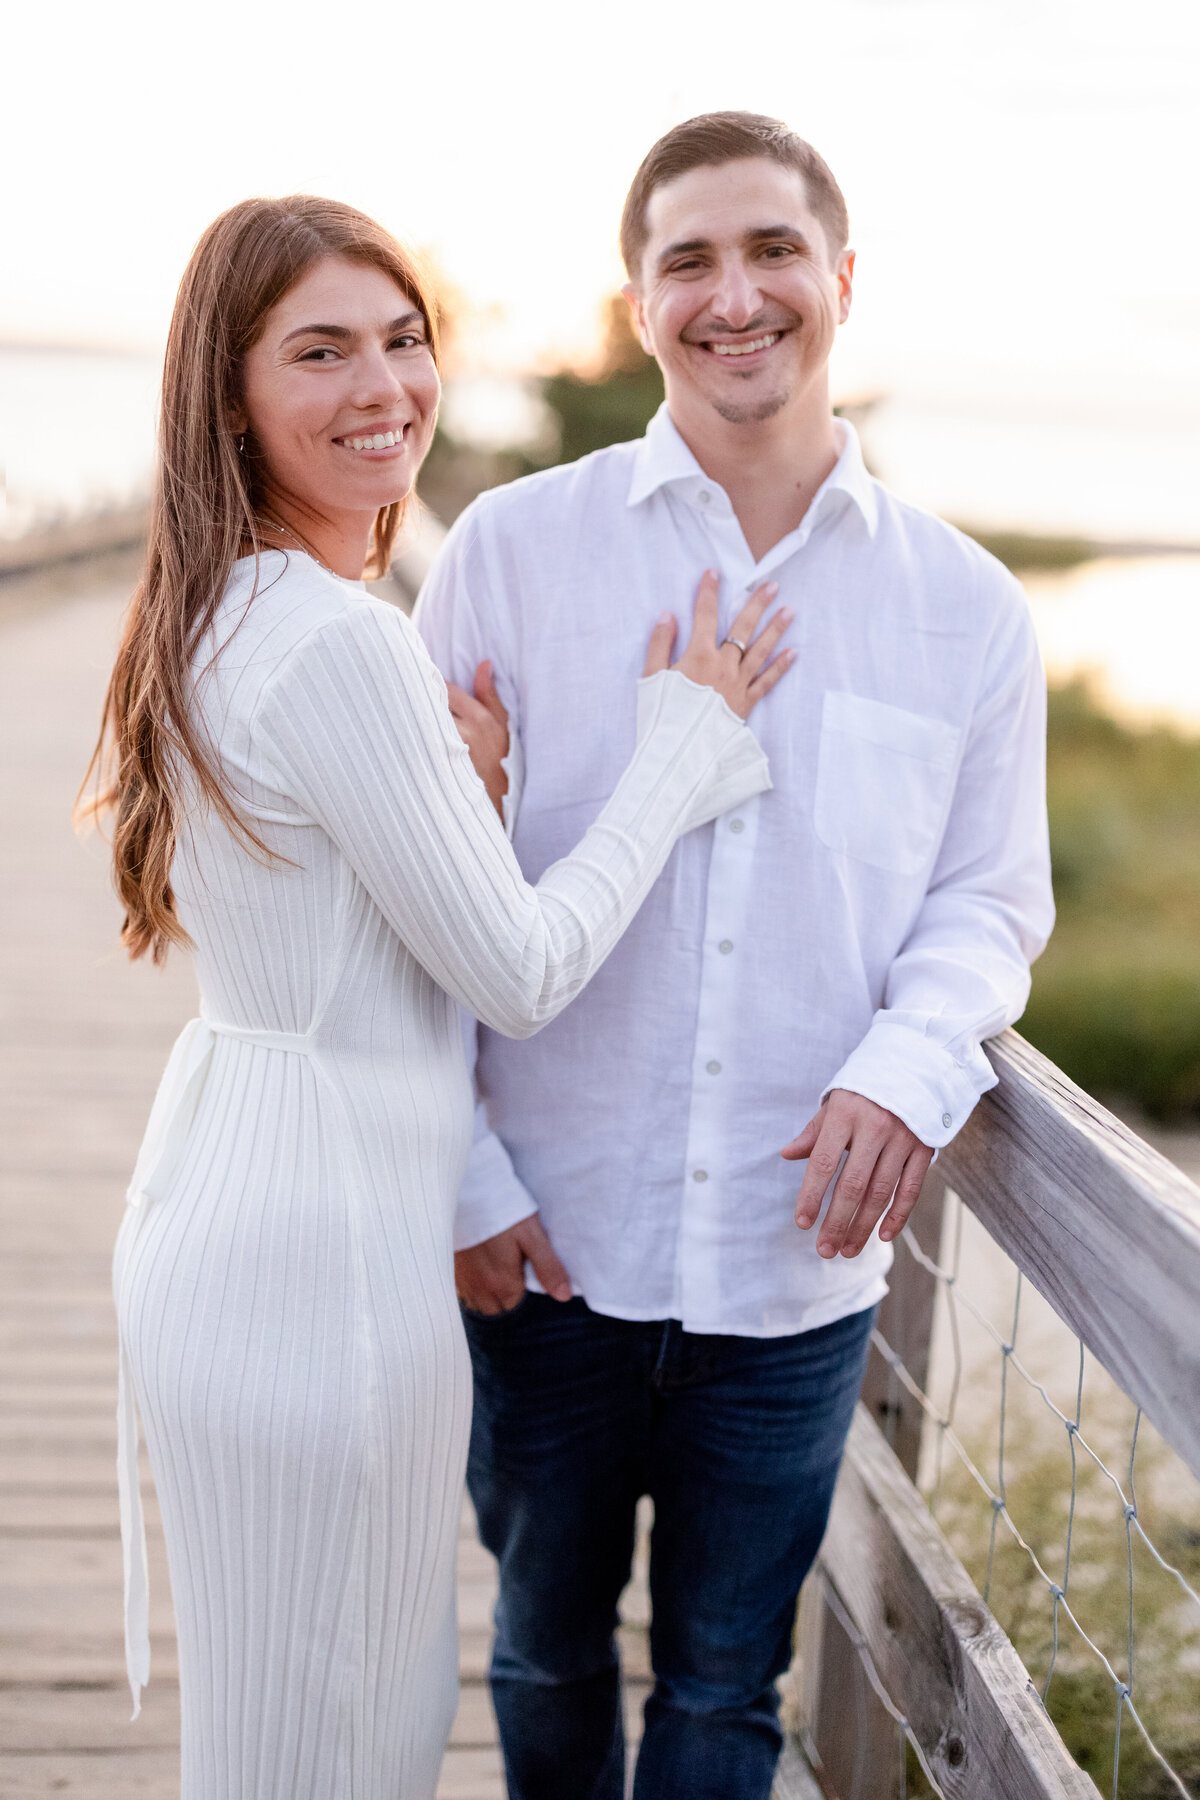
x=378, y=441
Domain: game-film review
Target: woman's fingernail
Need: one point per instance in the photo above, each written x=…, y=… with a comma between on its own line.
x=771, y=589
x=665, y=618
x=786, y=614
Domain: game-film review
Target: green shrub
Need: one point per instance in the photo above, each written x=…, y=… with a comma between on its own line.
x=1116, y=996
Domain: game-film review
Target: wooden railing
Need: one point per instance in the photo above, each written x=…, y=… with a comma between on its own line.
x=1108, y=1232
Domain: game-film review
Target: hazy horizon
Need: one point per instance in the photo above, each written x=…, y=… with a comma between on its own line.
x=1018, y=173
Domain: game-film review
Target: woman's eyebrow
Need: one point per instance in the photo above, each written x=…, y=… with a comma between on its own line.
x=333, y=331
x=343, y=331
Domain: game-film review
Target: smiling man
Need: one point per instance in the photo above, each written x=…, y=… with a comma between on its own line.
x=652, y=1309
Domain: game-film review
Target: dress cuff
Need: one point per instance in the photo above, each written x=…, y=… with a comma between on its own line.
x=514, y=767
x=739, y=769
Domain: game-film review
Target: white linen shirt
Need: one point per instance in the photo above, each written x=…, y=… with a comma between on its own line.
x=865, y=925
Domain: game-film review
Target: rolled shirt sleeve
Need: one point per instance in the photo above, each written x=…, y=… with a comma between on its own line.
x=962, y=975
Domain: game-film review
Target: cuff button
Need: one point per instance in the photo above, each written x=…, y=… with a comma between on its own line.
x=947, y=1121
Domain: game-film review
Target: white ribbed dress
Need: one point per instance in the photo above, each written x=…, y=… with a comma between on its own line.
x=284, y=1275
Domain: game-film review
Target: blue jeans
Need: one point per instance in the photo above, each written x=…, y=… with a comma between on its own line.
x=737, y=1441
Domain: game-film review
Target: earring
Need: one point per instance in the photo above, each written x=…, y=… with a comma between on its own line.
x=242, y=444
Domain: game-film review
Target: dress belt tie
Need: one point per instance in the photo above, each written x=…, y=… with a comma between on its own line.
x=171, y=1119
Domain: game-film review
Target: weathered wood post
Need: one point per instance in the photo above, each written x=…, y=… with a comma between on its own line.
x=852, y=1733
x=906, y=1323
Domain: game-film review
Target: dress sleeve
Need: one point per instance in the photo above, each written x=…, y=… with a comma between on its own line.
x=356, y=729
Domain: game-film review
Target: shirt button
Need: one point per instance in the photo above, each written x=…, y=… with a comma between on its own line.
x=714, y=1068
x=704, y=496
x=737, y=824
x=725, y=946
x=699, y=1174
x=947, y=1121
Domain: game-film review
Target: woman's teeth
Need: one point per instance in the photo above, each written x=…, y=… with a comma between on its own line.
x=382, y=440
x=761, y=343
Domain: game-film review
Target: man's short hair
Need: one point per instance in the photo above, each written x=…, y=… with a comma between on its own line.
x=721, y=137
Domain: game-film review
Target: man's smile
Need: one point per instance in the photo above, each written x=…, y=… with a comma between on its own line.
x=747, y=349
x=742, y=351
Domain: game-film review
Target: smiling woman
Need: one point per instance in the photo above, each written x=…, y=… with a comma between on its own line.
x=336, y=418
x=292, y=798
x=247, y=461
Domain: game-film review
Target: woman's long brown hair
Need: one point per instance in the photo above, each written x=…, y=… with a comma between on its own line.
x=203, y=515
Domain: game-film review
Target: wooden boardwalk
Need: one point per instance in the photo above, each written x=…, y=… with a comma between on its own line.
x=83, y=1037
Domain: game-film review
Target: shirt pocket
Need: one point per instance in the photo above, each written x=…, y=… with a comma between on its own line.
x=883, y=781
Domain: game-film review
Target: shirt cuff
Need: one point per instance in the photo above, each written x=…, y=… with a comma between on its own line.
x=917, y=1079
x=491, y=1197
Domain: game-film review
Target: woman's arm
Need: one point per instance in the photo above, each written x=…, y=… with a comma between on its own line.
x=357, y=730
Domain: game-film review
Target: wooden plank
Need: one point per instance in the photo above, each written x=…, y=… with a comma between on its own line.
x=853, y=1734
x=38, y=1721
x=906, y=1323
x=471, y=1775
x=92, y=1775
x=794, y=1779
x=939, y=1653
x=1105, y=1228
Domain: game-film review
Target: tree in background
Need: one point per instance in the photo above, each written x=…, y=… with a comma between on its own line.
x=609, y=405
x=613, y=405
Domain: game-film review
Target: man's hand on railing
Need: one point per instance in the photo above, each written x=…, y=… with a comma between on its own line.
x=885, y=1162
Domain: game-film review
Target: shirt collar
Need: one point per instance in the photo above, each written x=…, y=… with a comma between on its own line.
x=663, y=460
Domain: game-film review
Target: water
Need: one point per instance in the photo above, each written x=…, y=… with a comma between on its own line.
x=77, y=432
x=1107, y=472
x=1132, y=627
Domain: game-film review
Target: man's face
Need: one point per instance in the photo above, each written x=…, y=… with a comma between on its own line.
x=738, y=295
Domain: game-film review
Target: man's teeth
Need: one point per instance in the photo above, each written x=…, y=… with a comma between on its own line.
x=761, y=343
x=382, y=440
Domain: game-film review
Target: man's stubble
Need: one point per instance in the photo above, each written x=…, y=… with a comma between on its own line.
x=755, y=414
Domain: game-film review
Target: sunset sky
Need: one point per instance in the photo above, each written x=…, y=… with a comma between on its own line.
x=1020, y=173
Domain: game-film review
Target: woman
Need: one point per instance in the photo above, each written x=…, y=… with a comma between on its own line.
x=291, y=797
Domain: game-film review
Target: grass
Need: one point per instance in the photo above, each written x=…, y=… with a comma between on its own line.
x=1081, y=1698
x=1116, y=996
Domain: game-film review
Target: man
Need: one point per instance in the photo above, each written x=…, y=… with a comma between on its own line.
x=644, y=1315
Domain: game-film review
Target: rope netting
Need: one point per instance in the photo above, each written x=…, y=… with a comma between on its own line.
x=1118, y=1664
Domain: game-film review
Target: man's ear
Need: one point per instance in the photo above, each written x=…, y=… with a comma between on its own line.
x=845, y=281
x=639, y=317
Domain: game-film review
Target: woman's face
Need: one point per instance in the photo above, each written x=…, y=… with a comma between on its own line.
x=340, y=392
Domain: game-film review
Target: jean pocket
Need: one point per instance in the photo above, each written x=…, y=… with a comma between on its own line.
x=884, y=780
